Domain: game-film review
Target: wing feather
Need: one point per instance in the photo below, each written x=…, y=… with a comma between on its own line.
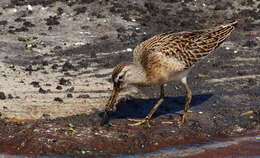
x=186, y=47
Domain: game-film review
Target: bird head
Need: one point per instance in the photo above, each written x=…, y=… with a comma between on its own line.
x=120, y=75
x=119, y=80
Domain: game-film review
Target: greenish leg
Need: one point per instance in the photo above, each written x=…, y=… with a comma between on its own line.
x=146, y=120
x=187, y=101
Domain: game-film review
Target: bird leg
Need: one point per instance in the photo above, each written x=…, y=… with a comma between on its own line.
x=162, y=91
x=146, y=120
x=187, y=101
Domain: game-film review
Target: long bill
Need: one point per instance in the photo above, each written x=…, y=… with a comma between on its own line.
x=110, y=104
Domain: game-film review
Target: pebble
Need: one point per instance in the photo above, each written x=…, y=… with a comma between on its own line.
x=14, y=10
x=59, y=87
x=10, y=96
x=35, y=84
x=57, y=99
x=43, y=91
x=2, y=96
x=29, y=7
x=64, y=82
x=70, y=89
x=69, y=95
x=129, y=49
x=83, y=96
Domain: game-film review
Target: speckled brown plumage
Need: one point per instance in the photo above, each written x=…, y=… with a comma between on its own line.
x=166, y=57
x=118, y=69
x=185, y=47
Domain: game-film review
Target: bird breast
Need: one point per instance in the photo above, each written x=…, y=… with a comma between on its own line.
x=160, y=68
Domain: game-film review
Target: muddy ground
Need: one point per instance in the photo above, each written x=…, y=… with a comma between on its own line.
x=56, y=61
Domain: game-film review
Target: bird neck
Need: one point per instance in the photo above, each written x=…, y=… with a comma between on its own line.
x=137, y=75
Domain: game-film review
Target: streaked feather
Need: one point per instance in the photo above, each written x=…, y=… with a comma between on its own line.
x=186, y=47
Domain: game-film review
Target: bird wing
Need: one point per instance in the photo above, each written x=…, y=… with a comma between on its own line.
x=186, y=47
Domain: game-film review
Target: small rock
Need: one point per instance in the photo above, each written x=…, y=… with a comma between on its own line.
x=45, y=63
x=70, y=89
x=87, y=1
x=46, y=116
x=84, y=27
x=105, y=37
x=121, y=29
x=52, y=20
x=221, y=6
x=68, y=74
x=57, y=99
x=35, y=84
x=21, y=29
x=56, y=49
x=93, y=55
x=29, y=68
x=55, y=66
x=4, y=22
x=28, y=24
x=129, y=49
x=10, y=96
x=29, y=7
x=64, y=82
x=59, y=11
x=80, y=10
x=67, y=66
x=2, y=96
x=83, y=96
x=69, y=95
x=43, y=91
x=83, y=63
x=59, y=87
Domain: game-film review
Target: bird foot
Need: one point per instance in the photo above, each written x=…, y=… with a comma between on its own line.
x=140, y=122
x=184, y=119
x=167, y=122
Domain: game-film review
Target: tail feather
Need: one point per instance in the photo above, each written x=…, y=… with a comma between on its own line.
x=207, y=42
x=234, y=24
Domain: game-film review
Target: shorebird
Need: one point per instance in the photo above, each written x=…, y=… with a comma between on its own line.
x=163, y=58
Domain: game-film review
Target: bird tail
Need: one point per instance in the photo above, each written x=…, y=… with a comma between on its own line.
x=234, y=24
x=223, y=31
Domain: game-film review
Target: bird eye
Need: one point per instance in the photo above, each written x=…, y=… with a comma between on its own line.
x=120, y=78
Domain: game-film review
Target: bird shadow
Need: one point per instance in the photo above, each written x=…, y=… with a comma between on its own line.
x=139, y=108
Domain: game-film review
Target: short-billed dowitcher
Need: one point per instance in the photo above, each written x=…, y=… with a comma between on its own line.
x=163, y=58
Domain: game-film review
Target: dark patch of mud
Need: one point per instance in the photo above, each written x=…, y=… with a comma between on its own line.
x=82, y=134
